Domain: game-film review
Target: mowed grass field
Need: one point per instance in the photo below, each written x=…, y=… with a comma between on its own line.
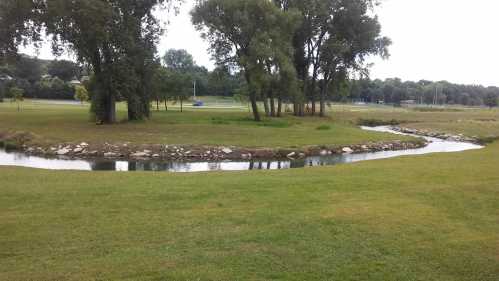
x=71, y=123
x=54, y=123
x=431, y=217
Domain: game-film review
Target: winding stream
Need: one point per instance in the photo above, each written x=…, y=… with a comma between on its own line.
x=22, y=160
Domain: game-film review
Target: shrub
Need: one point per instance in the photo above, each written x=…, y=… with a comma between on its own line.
x=324, y=128
x=377, y=122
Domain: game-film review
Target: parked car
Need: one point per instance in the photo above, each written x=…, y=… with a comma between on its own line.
x=198, y=103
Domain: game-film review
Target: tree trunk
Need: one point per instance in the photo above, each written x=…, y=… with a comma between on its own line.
x=110, y=114
x=166, y=106
x=254, y=107
x=279, y=107
x=181, y=105
x=272, y=104
x=313, y=103
x=323, y=99
x=252, y=94
x=157, y=104
x=266, y=106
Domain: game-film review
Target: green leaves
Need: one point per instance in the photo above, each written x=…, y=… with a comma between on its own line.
x=255, y=36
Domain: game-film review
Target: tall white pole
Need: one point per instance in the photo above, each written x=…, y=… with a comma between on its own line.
x=194, y=89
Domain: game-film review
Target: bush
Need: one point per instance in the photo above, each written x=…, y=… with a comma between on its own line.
x=437, y=109
x=377, y=122
x=323, y=128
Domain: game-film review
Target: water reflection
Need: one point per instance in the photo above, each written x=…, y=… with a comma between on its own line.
x=22, y=160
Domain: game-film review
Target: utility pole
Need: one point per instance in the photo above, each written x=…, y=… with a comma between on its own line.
x=194, y=90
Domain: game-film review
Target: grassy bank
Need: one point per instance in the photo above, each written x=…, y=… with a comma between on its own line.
x=480, y=122
x=70, y=123
x=418, y=218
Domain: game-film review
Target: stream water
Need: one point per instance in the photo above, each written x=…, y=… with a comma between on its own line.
x=12, y=158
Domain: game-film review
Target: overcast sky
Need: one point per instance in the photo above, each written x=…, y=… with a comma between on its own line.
x=454, y=40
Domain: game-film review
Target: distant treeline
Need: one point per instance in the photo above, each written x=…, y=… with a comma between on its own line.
x=46, y=79
x=41, y=79
x=395, y=91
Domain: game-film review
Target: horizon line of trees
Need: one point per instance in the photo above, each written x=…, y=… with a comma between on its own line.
x=51, y=79
x=395, y=91
x=174, y=80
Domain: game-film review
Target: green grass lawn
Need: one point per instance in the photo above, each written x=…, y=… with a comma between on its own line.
x=457, y=120
x=431, y=217
x=70, y=123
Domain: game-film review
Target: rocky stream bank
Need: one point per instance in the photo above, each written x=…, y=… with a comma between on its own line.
x=129, y=151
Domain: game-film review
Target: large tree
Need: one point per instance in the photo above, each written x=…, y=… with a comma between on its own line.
x=317, y=43
x=252, y=35
x=116, y=37
x=351, y=36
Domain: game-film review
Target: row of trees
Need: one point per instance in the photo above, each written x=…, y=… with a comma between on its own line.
x=395, y=91
x=179, y=77
x=291, y=50
x=40, y=78
x=286, y=50
x=51, y=79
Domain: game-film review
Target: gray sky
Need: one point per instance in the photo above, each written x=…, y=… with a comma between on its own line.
x=454, y=40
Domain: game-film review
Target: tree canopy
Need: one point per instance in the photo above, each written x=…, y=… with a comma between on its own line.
x=65, y=70
x=179, y=60
x=116, y=38
x=252, y=35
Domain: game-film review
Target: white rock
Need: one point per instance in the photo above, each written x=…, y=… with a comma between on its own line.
x=110, y=154
x=84, y=144
x=324, y=152
x=292, y=154
x=347, y=150
x=78, y=150
x=227, y=150
x=139, y=155
x=155, y=155
x=63, y=151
